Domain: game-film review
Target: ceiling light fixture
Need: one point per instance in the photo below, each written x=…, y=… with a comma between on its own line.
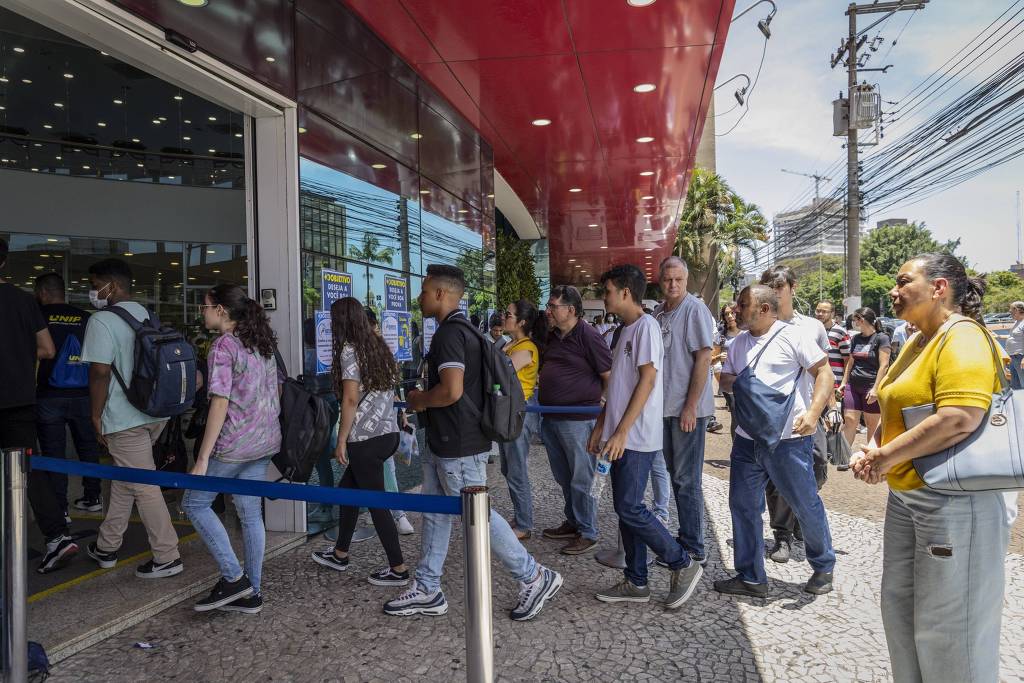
x=572, y=260
x=128, y=253
x=301, y=130
x=59, y=105
x=541, y=122
x=212, y=118
x=69, y=75
x=118, y=101
x=592, y=225
x=19, y=50
x=86, y=167
x=135, y=140
x=271, y=60
x=424, y=191
x=178, y=98
x=463, y=210
x=575, y=189
x=645, y=139
x=646, y=173
x=156, y=122
x=647, y=215
x=211, y=150
x=3, y=79
x=194, y=3
x=185, y=137
x=416, y=136
x=26, y=81
x=639, y=3
x=647, y=196
x=47, y=126
x=645, y=87
x=379, y=166
x=604, y=246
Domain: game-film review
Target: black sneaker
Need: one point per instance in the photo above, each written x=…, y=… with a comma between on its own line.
x=59, y=553
x=89, y=504
x=251, y=604
x=780, y=551
x=714, y=426
x=389, y=577
x=737, y=586
x=152, y=570
x=533, y=595
x=104, y=560
x=819, y=583
x=327, y=558
x=225, y=592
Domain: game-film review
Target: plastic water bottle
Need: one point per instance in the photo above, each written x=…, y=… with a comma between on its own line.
x=604, y=466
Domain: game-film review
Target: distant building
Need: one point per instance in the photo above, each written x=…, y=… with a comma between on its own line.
x=888, y=222
x=819, y=226
x=1018, y=269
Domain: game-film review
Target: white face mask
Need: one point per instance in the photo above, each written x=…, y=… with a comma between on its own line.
x=95, y=300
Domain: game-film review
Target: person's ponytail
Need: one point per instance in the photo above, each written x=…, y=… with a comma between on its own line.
x=971, y=300
x=252, y=326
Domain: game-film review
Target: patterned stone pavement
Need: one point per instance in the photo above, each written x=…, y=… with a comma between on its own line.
x=319, y=625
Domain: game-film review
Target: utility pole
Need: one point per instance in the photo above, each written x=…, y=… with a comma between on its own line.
x=1017, y=207
x=853, y=41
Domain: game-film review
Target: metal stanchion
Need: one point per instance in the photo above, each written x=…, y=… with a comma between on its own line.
x=476, y=530
x=15, y=564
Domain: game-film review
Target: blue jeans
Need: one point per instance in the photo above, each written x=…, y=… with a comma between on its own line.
x=1016, y=373
x=573, y=469
x=791, y=469
x=514, y=456
x=943, y=567
x=684, y=455
x=661, y=486
x=447, y=477
x=196, y=505
x=52, y=414
x=639, y=528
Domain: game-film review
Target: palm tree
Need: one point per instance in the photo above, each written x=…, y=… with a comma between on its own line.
x=370, y=252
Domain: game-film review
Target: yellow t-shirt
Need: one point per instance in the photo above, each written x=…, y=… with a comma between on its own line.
x=961, y=373
x=528, y=373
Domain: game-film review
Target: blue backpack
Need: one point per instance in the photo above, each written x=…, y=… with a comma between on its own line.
x=69, y=372
x=163, y=382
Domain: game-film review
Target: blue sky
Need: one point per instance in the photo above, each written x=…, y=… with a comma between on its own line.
x=789, y=122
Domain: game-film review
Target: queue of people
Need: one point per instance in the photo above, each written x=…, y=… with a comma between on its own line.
x=653, y=383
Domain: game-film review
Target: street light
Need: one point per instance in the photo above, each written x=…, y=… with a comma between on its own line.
x=764, y=23
x=740, y=93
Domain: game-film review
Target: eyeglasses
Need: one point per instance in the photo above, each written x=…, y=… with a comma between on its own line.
x=202, y=306
x=559, y=305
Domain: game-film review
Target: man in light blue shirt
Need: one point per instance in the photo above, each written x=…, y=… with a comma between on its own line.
x=128, y=433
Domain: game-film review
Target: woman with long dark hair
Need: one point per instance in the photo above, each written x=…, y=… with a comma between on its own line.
x=528, y=329
x=242, y=433
x=943, y=558
x=365, y=374
x=870, y=351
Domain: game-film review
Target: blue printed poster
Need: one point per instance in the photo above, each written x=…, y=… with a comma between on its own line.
x=324, y=342
x=464, y=306
x=396, y=326
x=334, y=285
x=395, y=293
x=429, y=328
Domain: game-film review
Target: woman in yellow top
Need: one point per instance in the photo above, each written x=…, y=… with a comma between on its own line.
x=528, y=328
x=942, y=567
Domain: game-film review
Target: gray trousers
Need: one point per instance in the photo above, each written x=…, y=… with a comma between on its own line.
x=942, y=585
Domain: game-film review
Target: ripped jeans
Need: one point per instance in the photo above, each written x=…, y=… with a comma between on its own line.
x=942, y=584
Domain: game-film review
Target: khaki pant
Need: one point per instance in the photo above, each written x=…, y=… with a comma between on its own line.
x=134, y=448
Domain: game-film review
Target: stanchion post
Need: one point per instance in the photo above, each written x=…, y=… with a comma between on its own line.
x=15, y=564
x=476, y=530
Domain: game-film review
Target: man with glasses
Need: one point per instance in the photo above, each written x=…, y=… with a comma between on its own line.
x=688, y=332
x=573, y=372
x=785, y=527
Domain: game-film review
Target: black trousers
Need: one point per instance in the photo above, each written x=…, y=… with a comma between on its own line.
x=783, y=519
x=366, y=471
x=18, y=430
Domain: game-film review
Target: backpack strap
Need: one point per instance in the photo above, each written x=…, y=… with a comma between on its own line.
x=136, y=327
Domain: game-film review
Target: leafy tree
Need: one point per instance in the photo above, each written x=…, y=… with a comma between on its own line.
x=370, y=252
x=1003, y=289
x=874, y=289
x=1003, y=279
x=517, y=278
x=473, y=264
x=887, y=248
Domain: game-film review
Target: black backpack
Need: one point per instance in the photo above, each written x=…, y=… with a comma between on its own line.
x=305, y=429
x=163, y=381
x=504, y=406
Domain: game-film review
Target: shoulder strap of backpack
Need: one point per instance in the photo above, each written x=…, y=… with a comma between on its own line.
x=124, y=315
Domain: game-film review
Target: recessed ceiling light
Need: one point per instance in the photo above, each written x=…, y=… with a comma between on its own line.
x=188, y=120
x=216, y=271
x=541, y=122
x=101, y=124
x=26, y=81
x=271, y=59
x=35, y=169
x=69, y=75
x=379, y=166
x=604, y=246
x=59, y=105
x=211, y=118
x=575, y=189
x=648, y=215
x=162, y=118
x=648, y=249
x=118, y=101
x=170, y=177
x=211, y=251
x=58, y=158
x=19, y=50
x=301, y=130
x=572, y=260
x=175, y=263
x=645, y=139
x=646, y=173
x=135, y=140
x=185, y=137
x=490, y=196
x=238, y=135
x=51, y=239
x=416, y=136
x=86, y=167
x=645, y=87
x=140, y=165
x=179, y=98
x=424, y=191
x=3, y=79
x=648, y=196
x=104, y=53
x=194, y=3
x=47, y=126
x=211, y=150
x=592, y=225
x=128, y=253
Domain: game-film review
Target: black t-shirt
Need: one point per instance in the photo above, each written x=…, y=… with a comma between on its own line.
x=20, y=320
x=865, y=357
x=454, y=431
x=64, y=320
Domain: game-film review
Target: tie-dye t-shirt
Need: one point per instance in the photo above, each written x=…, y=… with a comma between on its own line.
x=252, y=429
x=375, y=414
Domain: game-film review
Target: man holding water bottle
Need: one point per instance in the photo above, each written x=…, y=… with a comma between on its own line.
x=629, y=434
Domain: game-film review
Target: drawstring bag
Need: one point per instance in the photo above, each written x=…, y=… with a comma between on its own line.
x=837, y=447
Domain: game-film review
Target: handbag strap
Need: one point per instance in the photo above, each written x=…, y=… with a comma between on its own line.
x=1004, y=385
x=753, y=364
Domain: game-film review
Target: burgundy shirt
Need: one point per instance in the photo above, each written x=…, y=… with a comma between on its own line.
x=570, y=370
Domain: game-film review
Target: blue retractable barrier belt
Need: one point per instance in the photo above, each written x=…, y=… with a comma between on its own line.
x=410, y=502
x=552, y=410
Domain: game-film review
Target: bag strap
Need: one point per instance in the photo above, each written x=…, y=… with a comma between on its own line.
x=280, y=362
x=753, y=364
x=1004, y=385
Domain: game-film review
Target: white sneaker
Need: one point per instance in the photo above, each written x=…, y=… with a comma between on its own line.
x=405, y=527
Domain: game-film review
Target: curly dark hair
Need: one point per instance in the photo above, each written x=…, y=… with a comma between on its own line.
x=378, y=370
x=252, y=327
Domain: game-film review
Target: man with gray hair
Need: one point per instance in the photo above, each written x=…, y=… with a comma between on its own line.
x=1015, y=345
x=687, y=332
x=780, y=380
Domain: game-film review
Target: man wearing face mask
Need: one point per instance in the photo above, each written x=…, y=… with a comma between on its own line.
x=128, y=433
